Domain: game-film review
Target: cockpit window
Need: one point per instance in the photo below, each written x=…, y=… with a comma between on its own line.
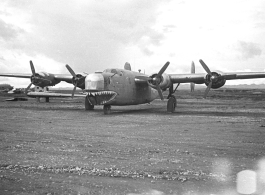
x=114, y=71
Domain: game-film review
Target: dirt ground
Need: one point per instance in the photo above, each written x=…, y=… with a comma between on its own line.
x=59, y=148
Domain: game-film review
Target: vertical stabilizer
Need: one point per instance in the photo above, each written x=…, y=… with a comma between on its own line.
x=192, y=85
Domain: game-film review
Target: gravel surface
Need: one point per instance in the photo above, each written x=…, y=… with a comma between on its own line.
x=59, y=148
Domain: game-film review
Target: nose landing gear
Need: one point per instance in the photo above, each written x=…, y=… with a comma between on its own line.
x=88, y=105
x=106, y=109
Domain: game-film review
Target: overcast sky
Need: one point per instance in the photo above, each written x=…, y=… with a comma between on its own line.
x=92, y=35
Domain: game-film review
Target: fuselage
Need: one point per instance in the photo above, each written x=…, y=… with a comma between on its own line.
x=118, y=87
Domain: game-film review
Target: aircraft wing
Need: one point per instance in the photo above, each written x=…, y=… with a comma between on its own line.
x=59, y=77
x=15, y=75
x=199, y=78
x=245, y=75
x=49, y=94
x=64, y=77
x=187, y=78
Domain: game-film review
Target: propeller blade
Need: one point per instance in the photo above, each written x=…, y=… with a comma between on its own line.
x=207, y=89
x=163, y=69
x=192, y=71
x=146, y=78
x=159, y=92
x=26, y=90
x=70, y=70
x=73, y=93
x=205, y=67
x=32, y=68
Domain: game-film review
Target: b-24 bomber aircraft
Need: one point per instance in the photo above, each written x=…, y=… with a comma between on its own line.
x=119, y=87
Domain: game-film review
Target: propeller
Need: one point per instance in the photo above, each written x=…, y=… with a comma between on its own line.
x=26, y=90
x=35, y=77
x=75, y=78
x=214, y=77
x=192, y=85
x=156, y=80
x=32, y=68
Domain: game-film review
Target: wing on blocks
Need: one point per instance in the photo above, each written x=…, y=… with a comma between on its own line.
x=41, y=79
x=48, y=94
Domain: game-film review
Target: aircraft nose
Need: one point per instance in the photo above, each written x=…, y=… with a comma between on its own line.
x=94, y=81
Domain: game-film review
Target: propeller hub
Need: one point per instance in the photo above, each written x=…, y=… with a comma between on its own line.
x=77, y=79
x=213, y=78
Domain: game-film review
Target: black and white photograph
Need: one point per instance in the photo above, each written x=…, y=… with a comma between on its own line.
x=132, y=97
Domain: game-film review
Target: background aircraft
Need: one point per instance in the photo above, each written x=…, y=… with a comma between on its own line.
x=5, y=87
x=125, y=87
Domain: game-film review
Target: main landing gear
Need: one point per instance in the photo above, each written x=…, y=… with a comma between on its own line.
x=171, y=104
x=172, y=101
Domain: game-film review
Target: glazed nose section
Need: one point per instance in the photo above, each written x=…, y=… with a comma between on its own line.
x=94, y=81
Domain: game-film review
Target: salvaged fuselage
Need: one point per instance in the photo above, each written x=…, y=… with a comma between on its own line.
x=118, y=87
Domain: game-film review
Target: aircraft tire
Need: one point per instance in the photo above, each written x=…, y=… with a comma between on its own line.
x=88, y=106
x=106, y=109
x=171, y=104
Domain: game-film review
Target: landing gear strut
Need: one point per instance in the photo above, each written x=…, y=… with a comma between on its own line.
x=171, y=104
x=106, y=109
x=88, y=106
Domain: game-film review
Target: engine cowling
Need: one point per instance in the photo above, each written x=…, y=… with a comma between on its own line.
x=43, y=79
x=217, y=80
x=79, y=80
x=164, y=82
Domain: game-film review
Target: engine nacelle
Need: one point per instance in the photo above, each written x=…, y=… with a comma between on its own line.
x=43, y=79
x=165, y=81
x=217, y=82
x=80, y=82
